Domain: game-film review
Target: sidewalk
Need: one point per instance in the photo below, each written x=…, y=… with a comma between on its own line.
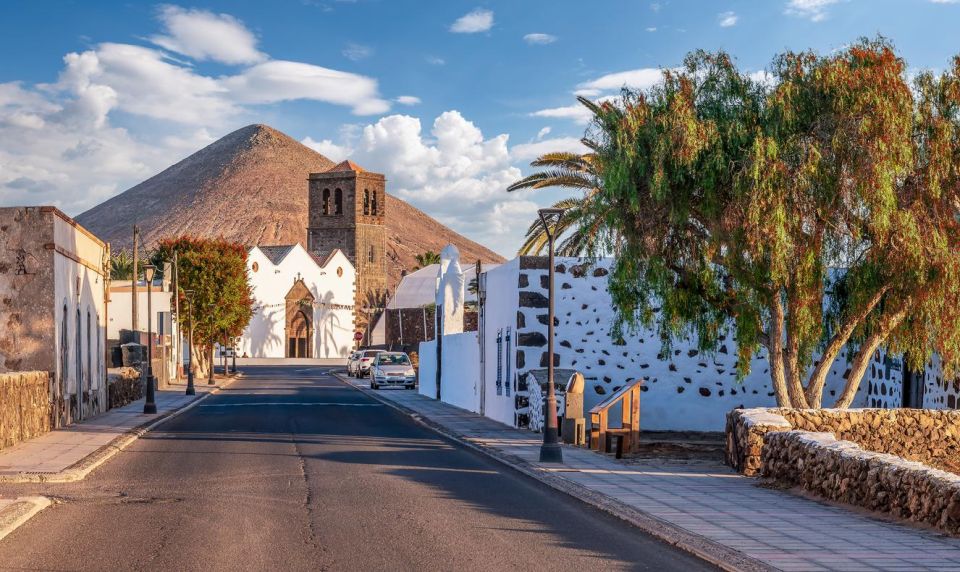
x=707, y=509
x=69, y=454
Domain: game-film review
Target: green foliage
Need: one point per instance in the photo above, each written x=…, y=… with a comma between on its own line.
x=580, y=229
x=742, y=205
x=426, y=259
x=216, y=270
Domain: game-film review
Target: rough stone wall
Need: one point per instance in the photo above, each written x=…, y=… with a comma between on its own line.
x=686, y=389
x=24, y=406
x=27, y=329
x=928, y=436
x=405, y=326
x=125, y=385
x=842, y=471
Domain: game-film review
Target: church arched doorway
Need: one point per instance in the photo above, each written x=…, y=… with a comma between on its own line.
x=299, y=326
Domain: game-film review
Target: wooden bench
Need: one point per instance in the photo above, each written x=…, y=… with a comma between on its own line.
x=627, y=435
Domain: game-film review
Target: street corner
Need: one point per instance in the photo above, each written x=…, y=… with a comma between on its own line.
x=15, y=512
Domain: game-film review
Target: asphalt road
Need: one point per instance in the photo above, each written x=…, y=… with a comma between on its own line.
x=290, y=469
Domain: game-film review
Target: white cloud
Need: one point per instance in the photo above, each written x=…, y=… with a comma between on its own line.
x=357, y=52
x=763, y=77
x=435, y=61
x=479, y=20
x=203, y=35
x=441, y=171
x=643, y=78
x=60, y=142
x=727, y=19
x=526, y=152
x=576, y=112
x=277, y=80
x=543, y=133
x=408, y=100
x=538, y=38
x=328, y=149
x=945, y=1
x=651, y=29
x=813, y=10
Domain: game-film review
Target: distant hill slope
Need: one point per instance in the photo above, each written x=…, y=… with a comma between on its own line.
x=251, y=186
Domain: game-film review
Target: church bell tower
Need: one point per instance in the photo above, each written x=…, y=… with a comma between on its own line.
x=346, y=211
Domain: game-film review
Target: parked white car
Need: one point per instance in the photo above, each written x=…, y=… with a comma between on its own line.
x=392, y=368
x=366, y=361
x=353, y=363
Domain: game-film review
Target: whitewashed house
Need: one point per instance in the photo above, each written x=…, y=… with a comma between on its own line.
x=303, y=306
x=53, y=278
x=165, y=327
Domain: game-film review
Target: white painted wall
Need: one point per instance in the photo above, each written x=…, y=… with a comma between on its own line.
x=686, y=390
x=461, y=370
x=333, y=324
x=80, y=360
x=427, y=368
x=121, y=312
x=499, y=314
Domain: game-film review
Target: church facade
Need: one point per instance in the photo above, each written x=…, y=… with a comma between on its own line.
x=303, y=305
x=347, y=206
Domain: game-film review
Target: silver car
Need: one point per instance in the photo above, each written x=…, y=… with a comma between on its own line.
x=392, y=368
x=353, y=363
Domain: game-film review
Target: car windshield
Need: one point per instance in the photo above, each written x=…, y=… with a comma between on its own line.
x=370, y=354
x=393, y=359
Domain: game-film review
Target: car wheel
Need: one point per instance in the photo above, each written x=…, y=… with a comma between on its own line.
x=409, y=386
x=374, y=386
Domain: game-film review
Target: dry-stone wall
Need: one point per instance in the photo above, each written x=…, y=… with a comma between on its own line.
x=24, y=406
x=928, y=436
x=125, y=385
x=843, y=471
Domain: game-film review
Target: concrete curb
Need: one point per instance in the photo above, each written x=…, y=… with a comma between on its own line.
x=22, y=510
x=723, y=557
x=79, y=470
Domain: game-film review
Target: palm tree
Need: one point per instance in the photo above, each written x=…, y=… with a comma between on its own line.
x=121, y=265
x=581, y=228
x=426, y=259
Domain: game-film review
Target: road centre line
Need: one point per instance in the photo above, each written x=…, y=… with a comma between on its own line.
x=307, y=404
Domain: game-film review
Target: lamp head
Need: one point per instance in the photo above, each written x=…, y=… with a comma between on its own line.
x=148, y=271
x=548, y=212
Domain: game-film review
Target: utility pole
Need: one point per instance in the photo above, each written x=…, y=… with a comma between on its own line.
x=178, y=356
x=133, y=283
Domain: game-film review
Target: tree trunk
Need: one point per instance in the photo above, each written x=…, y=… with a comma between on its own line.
x=775, y=352
x=210, y=359
x=199, y=356
x=865, y=354
x=792, y=358
x=819, y=377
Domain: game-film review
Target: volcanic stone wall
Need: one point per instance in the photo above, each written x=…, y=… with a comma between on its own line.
x=410, y=326
x=843, y=471
x=940, y=391
x=24, y=406
x=685, y=389
x=125, y=386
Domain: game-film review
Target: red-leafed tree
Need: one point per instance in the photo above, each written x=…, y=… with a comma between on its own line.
x=216, y=271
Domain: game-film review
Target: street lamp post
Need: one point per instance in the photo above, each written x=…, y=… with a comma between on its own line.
x=150, y=405
x=191, y=389
x=550, y=451
x=233, y=357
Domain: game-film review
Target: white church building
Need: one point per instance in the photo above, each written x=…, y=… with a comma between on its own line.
x=303, y=306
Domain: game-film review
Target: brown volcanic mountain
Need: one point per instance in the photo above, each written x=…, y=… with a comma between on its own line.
x=251, y=186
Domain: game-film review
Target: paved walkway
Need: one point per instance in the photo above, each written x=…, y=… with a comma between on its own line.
x=61, y=449
x=778, y=528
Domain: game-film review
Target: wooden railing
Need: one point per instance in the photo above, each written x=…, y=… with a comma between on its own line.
x=627, y=435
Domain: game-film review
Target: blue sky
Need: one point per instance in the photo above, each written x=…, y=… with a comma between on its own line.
x=449, y=99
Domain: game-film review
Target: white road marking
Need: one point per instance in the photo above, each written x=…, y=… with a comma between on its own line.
x=308, y=404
